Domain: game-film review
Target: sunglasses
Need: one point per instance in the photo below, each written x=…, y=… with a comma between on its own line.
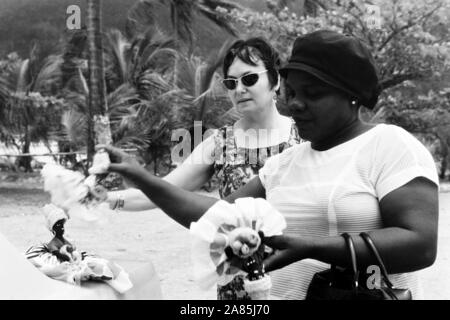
x=247, y=80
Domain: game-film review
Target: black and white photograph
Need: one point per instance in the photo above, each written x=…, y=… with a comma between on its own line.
x=224, y=150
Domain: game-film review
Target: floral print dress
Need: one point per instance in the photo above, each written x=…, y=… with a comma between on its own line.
x=234, y=167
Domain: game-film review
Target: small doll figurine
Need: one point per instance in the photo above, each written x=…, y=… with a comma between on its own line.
x=59, y=246
x=228, y=242
x=247, y=252
x=60, y=260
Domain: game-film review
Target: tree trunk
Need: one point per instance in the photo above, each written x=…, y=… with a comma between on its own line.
x=97, y=88
x=25, y=161
x=442, y=174
x=444, y=161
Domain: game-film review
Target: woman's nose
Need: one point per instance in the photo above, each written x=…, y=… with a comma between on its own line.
x=240, y=87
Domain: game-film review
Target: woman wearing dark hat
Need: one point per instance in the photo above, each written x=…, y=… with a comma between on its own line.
x=350, y=177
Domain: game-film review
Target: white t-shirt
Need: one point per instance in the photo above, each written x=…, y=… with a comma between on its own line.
x=326, y=193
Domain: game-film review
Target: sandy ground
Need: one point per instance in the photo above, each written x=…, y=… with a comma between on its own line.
x=132, y=238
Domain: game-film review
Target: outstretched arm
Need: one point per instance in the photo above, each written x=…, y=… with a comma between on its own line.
x=190, y=175
x=181, y=205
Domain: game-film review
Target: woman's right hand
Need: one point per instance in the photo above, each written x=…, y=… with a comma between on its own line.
x=124, y=164
x=121, y=161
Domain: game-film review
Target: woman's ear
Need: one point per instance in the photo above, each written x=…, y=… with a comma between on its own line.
x=277, y=87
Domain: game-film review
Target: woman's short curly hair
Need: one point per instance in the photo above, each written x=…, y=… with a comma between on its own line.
x=251, y=50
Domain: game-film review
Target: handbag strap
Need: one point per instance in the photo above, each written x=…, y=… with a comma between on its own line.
x=376, y=254
x=351, y=249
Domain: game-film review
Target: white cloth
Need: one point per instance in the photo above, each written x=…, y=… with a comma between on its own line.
x=325, y=193
x=209, y=259
x=52, y=215
x=76, y=194
x=100, y=163
x=20, y=280
x=258, y=289
x=65, y=186
x=77, y=271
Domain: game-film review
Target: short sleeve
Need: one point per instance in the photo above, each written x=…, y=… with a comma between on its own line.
x=400, y=158
x=272, y=171
x=265, y=171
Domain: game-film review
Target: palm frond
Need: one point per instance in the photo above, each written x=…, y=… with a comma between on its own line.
x=139, y=126
x=200, y=80
x=130, y=139
x=4, y=90
x=155, y=37
x=72, y=54
x=209, y=81
x=75, y=101
x=145, y=48
x=139, y=17
x=83, y=82
x=132, y=131
x=122, y=94
x=49, y=75
x=214, y=61
x=121, y=102
x=151, y=85
x=149, y=59
x=74, y=126
x=22, y=84
x=181, y=14
x=119, y=49
x=187, y=69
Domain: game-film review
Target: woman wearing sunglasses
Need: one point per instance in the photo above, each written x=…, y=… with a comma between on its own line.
x=235, y=153
x=350, y=176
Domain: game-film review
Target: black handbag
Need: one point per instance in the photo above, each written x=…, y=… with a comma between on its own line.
x=339, y=283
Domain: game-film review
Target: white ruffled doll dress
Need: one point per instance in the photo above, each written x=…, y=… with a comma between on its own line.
x=212, y=234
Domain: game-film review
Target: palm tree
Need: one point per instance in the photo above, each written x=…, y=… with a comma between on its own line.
x=29, y=112
x=127, y=61
x=182, y=13
x=158, y=104
x=138, y=85
x=97, y=91
x=138, y=121
x=195, y=77
x=201, y=82
x=123, y=104
x=164, y=105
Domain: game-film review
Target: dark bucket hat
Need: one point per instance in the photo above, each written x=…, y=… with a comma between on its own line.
x=342, y=61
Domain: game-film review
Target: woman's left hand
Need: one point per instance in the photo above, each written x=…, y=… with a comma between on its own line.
x=287, y=250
